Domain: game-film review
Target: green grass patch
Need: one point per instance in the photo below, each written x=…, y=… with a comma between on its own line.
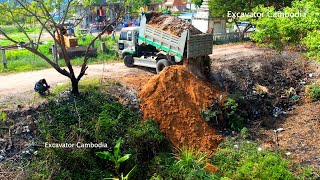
x=85, y=85
x=17, y=34
x=313, y=92
x=21, y=60
x=245, y=160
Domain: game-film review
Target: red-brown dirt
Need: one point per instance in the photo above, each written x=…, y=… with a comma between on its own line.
x=175, y=99
x=172, y=24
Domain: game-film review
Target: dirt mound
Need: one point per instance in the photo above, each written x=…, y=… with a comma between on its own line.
x=175, y=99
x=171, y=24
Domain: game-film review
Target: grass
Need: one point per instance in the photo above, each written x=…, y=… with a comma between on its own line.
x=16, y=34
x=242, y=159
x=23, y=60
x=313, y=92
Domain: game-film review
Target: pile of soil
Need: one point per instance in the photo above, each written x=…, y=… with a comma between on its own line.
x=171, y=24
x=174, y=99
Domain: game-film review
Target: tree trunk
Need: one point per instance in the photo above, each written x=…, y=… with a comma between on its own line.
x=241, y=35
x=75, y=86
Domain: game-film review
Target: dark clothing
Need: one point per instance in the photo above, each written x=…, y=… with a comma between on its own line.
x=41, y=86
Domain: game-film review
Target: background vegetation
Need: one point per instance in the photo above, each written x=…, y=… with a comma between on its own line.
x=20, y=60
x=301, y=32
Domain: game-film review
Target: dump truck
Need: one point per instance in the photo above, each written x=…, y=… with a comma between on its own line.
x=152, y=47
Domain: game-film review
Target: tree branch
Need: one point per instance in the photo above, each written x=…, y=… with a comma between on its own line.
x=84, y=66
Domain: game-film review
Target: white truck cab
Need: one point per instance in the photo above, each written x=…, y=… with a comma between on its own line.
x=127, y=41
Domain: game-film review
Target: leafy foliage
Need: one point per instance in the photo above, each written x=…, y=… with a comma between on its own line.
x=313, y=92
x=277, y=31
x=232, y=114
x=116, y=157
x=187, y=164
x=198, y=3
x=228, y=113
x=190, y=165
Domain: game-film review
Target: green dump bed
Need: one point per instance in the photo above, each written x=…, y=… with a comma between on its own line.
x=192, y=45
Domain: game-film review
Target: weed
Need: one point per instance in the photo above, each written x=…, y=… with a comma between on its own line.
x=3, y=116
x=244, y=133
x=190, y=165
x=226, y=112
x=116, y=157
x=313, y=92
x=231, y=110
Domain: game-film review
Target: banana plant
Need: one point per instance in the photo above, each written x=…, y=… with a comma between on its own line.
x=123, y=177
x=116, y=157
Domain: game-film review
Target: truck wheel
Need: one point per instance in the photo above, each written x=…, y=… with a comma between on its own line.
x=161, y=64
x=128, y=60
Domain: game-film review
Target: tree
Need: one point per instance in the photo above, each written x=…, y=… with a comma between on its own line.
x=198, y=3
x=235, y=10
x=42, y=11
x=300, y=29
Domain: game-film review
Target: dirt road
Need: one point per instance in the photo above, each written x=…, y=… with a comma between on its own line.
x=23, y=82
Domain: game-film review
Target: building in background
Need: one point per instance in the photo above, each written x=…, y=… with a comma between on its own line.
x=206, y=23
x=175, y=5
x=152, y=6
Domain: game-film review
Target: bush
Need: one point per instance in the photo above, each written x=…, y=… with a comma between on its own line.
x=277, y=32
x=232, y=114
x=227, y=113
x=313, y=92
x=312, y=41
x=188, y=164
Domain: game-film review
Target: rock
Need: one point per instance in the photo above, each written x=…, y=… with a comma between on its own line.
x=25, y=129
x=29, y=118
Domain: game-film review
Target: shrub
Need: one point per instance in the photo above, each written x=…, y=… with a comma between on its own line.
x=313, y=92
x=277, y=32
x=226, y=113
x=189, y=164
x=232, y=114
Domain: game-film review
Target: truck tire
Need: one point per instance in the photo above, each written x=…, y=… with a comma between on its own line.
x=128, y=60
x=161, y=64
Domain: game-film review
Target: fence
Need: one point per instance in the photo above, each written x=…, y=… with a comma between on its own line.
x=229, y=37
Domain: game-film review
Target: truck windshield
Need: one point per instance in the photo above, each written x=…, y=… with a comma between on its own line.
x=123, y=35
